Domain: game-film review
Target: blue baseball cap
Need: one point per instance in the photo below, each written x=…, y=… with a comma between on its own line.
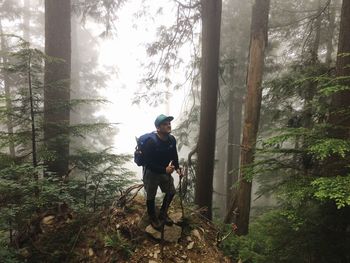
x=162, y=118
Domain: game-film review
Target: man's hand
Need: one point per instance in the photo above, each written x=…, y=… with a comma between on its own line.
x=170, y=168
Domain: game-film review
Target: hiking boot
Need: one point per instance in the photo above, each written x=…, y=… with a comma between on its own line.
x=151, y=210
x=155, y=223
x=166, y=219
x=163, y=215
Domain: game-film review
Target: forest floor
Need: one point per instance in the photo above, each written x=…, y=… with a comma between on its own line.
x=118, y=235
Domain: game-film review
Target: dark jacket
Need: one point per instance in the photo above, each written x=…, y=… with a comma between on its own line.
x=159, y=153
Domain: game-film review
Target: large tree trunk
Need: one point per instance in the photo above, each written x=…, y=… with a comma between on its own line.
x=339, y=123
x=211, y=20
x=57, y=87
x=258, y=42
x=343, y=62
x=339, y=118
x=233, y=147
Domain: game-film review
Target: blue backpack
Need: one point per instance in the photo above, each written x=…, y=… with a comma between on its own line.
x=139, y=158
x=141, y=142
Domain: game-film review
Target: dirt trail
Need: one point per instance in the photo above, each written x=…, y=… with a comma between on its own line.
x=117, y=235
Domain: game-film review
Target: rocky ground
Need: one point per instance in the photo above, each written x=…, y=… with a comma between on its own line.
x=123, y=234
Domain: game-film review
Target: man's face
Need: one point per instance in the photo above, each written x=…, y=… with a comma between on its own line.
x=165, y=127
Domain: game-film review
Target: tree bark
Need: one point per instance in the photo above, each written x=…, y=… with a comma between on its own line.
x=339, y=128
x=258, y=42
x=211, y=23
x=56, y=83
x=341, y=100
x=233, y=147
x=339, y=118
x=343, y=62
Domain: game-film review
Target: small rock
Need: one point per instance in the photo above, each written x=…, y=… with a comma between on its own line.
x=184, y=256
x=189, y=261
x=171, y=233
x=91, y=252
x=188, y=238
x=196, y=233
x=190, y=245
x=48, y=220
x=150, y=254
x=153, y=232
x=176, y=217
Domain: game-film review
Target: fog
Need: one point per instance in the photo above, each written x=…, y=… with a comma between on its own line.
x=126, y=53
x=259, y=92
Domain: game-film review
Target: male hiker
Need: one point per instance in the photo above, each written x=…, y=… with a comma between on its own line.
x=160, y=160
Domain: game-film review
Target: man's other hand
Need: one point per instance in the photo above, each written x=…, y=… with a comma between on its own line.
x=170, y=168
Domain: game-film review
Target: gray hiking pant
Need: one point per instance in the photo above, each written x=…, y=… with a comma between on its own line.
x=152, y=180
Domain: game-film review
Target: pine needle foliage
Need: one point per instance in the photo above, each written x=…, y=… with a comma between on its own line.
x=310, y=219
x=27, y=188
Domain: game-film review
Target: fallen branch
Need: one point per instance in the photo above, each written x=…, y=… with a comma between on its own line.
x=123, y=199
